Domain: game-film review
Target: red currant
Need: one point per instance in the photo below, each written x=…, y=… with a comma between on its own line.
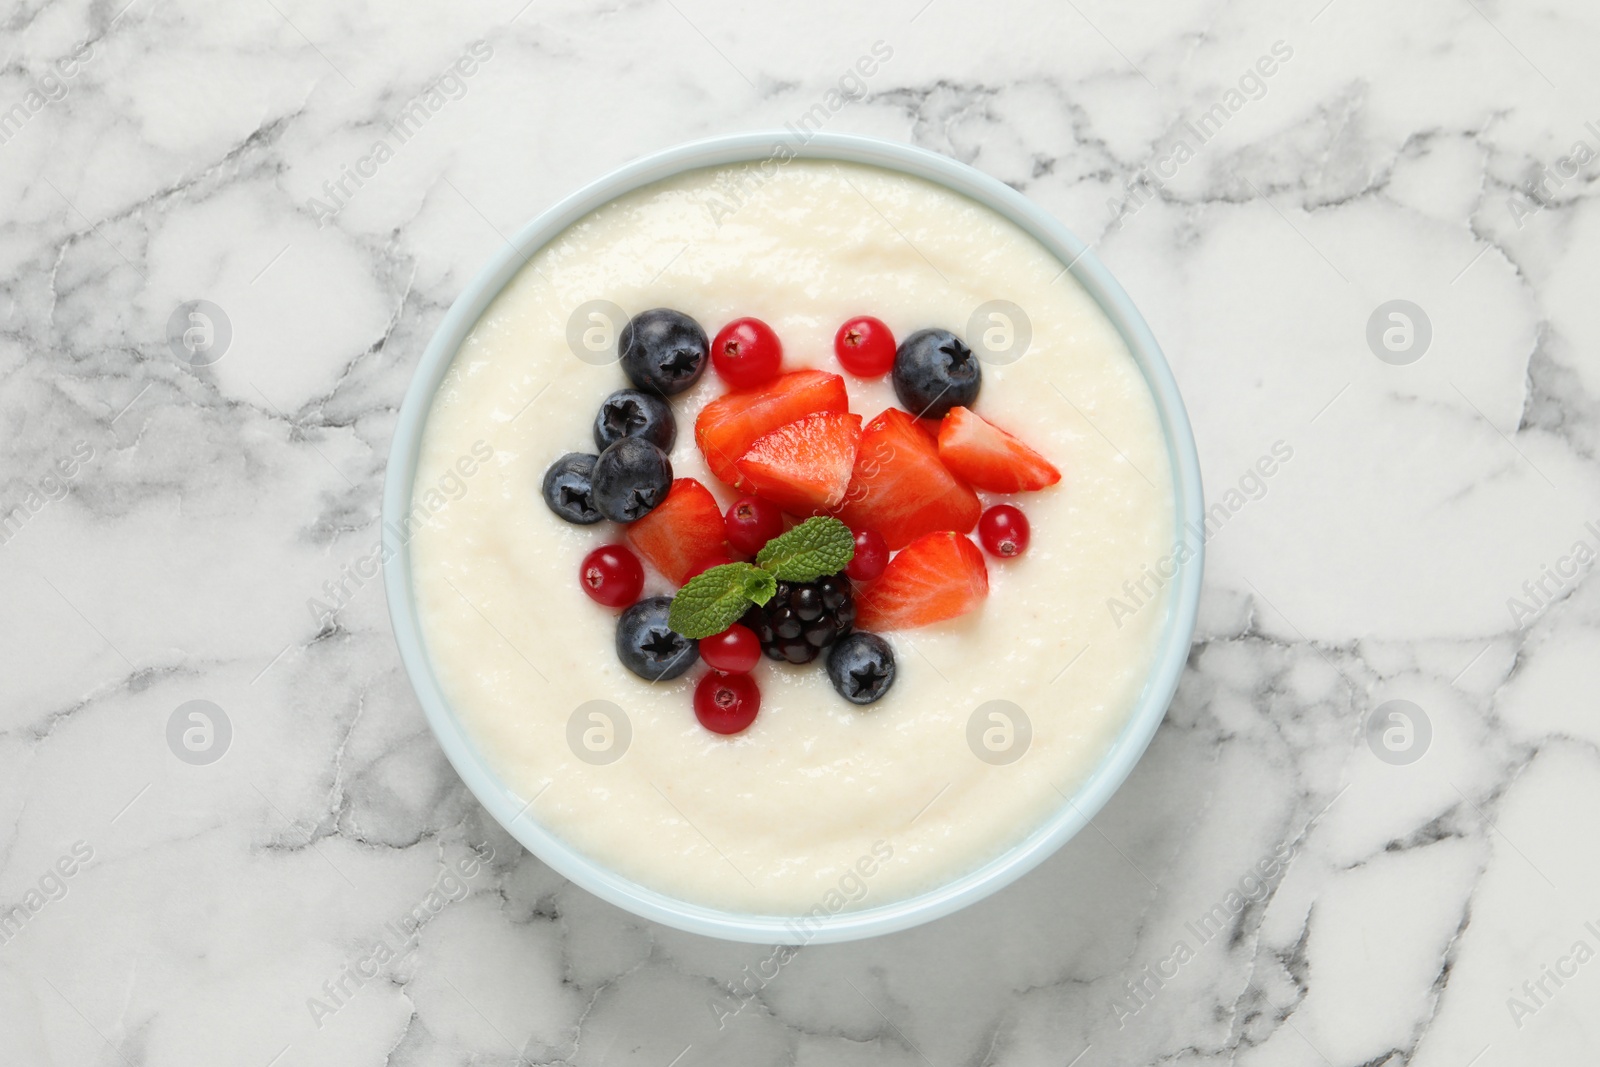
x=865, y=347
x=726, y=703
x=872, y=555
x=612, y=576
x=705, y=565
x=751, y=523
x=746, y=353
x=735, y=650
x=1003, y=529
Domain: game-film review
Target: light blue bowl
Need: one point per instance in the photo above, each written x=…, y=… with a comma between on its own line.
x=509, y=808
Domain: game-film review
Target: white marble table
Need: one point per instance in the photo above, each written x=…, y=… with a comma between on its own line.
x=175, y=520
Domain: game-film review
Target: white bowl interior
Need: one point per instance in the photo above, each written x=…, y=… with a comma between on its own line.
x=510, y=809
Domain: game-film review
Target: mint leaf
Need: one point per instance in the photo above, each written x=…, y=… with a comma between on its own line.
x=758, y=586
x=714, y=599
x=820, y=545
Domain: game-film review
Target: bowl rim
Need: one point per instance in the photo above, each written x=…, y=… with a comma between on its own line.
x=510, y=809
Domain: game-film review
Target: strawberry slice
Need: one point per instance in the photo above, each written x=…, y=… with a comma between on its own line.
x=805, y=466
x=989, y=458
x=901, y=489
x=936, y=577
x=730, y=424
x=682, y=532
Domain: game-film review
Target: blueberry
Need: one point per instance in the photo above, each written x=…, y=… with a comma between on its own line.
x=861, y=667
x=630, y=478
x=935, y=371
x=663, y=351
x=568, y=489
x=648, y=647
x=630, y=413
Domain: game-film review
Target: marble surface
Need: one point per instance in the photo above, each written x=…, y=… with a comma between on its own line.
x=1437, y=904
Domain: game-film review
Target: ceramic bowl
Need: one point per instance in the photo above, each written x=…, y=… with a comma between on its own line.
x=510, y=808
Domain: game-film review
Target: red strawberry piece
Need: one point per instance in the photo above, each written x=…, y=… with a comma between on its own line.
x=936, y=577
x=682, y=532
x=990, y=458
x=805, y=466
x=730, y=424
x=703, y=566
x=900, y=488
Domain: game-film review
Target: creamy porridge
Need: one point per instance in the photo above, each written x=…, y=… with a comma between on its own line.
x=820, y=801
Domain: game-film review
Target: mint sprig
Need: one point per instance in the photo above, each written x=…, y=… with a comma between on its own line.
x=717, y=597
x=818, y=546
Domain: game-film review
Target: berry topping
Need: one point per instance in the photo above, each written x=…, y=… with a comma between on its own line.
x=569, y=491
x=803, y=618
x=735, y=650
x=746, y=353
x=990, y=458
x=663, y=351
x=805, y=466
x=900, y=488
x=648, y=647
x=865, y=347
x=612, y=576
x=1004, y=531
x=936, y=577
x=630, y=478
x=729, y=425
x=631, y=413
x=684, y=534
x=861, y=667
x=726, y=703
x=934, y=371
x=872, y=555
x=752, y=522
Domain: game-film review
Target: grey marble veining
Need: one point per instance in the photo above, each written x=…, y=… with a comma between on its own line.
x=1272, y=886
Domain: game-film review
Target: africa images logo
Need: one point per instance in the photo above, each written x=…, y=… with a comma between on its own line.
x=199, y=333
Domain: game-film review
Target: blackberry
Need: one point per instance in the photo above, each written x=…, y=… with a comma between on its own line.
x=803, y=618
